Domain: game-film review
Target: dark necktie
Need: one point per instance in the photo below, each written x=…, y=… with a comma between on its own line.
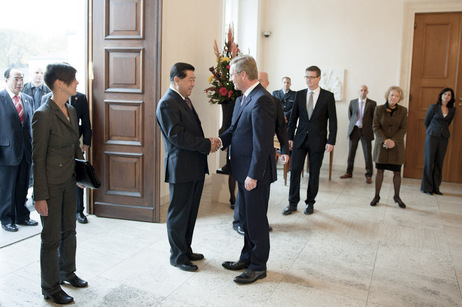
x=19, y=108
x=37, y=97
x=188, y=102
x=243, y=99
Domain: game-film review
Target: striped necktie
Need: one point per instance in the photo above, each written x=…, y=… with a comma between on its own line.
x=19, y=108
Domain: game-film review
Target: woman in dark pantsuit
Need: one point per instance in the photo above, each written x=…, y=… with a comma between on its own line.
x=55, y=146
x=437, y=120
x=390, y=126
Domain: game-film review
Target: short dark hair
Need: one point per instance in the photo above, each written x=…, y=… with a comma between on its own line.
x=6, y=74
x=59, y=71
x=451, y=102
x=315, y=69
x=179, y=70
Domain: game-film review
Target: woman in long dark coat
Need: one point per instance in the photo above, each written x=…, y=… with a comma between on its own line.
x=437, y=120
x=390, y=126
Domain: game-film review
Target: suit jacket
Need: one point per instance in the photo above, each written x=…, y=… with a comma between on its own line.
x=281, y=127
x=80, y=104
x=368, y=117
x=15, y=138
x=42, y=90
x=287, y=100
x=436, y=123
x=56, y=145
x=186, y=148
x=315, y=129
x=250, y=137
x=389, y=127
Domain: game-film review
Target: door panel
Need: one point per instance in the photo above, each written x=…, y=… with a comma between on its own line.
x=126, y=57
x=436, y=63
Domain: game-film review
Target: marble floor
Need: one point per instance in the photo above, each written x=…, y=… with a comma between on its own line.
x=346, y=254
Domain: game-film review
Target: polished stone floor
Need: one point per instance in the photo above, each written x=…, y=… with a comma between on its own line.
x=346, y=254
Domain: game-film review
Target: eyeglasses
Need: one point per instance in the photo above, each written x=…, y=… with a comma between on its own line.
x=311, y=77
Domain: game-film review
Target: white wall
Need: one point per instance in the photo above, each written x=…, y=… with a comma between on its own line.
x=365, y=38
x=189, y=28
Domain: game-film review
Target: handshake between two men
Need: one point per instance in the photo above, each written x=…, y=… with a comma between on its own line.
x=215, y=144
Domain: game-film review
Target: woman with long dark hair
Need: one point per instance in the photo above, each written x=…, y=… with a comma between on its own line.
x=437, y=120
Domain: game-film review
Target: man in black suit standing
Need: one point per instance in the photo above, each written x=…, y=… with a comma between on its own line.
x=286, y=96
x=186, y=151
x=15, y=152
x=36, y=88
x=80, y=104
x=313, y=108
x=250, y=141
x=361, y=116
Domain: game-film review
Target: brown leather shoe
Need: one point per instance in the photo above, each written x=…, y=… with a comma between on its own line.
x=368, y=180
x=346, y=176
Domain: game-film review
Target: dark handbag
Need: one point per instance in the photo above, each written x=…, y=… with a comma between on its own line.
x=85, y=174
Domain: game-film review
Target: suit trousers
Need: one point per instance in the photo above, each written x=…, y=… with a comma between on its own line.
x=253, y=206
x=80, y=204
x=14, y=183
x=435, y=150
x=57, y=251
x=181, y=218
x=297, y=163
x=355, y=136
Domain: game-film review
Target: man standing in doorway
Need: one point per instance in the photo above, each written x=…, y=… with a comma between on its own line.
x=186, y=151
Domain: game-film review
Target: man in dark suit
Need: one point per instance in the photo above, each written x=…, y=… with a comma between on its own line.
x=313, y=108
x=361, y=116
x=286, y=96
x=186, y=151
x=80, y=104
x=15, y=152
x=36, y=88
x=250, y=142
x=281, y=133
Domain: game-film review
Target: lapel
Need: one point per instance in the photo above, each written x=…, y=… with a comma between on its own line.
x=60, y=115
x=191, y=112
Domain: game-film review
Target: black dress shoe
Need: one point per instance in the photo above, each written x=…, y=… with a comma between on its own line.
x=76, y=282
x=399, y=201
x=28, y=222
x=309, y=210
x=10, y=227
x=249, y=277
x=239, y=230
x=270, y=228
x=437, y=192
x=187, y=266
x=289, y=209
x=81, y=218
x=60, y=298
x=234, y=266
x=195, y=256
x=375, y=201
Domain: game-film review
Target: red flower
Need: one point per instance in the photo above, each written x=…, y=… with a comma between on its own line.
x=230, y=93
x=223, y=91
x=227, y=66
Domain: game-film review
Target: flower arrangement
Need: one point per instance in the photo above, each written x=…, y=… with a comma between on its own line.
x=222, y=90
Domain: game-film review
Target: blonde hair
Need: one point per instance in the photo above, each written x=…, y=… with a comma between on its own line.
x=394, y=88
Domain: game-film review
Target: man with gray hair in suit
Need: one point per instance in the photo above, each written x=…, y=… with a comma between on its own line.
x=361, y=115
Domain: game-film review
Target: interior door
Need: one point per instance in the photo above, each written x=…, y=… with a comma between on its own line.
x=436, y=63
x=125, y=89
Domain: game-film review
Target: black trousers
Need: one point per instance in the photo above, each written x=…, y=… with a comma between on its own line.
x=80, y=205
x=253, y=206
x=14, y=183
x=298, y=161
x=181, y=218
x=355, y=136
x=435, y=150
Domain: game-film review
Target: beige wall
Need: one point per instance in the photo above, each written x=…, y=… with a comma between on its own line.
x=188, y=30
x=371, y=40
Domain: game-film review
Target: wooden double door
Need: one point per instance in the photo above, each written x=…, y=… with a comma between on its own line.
x=125, y=51
x=436, y=64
